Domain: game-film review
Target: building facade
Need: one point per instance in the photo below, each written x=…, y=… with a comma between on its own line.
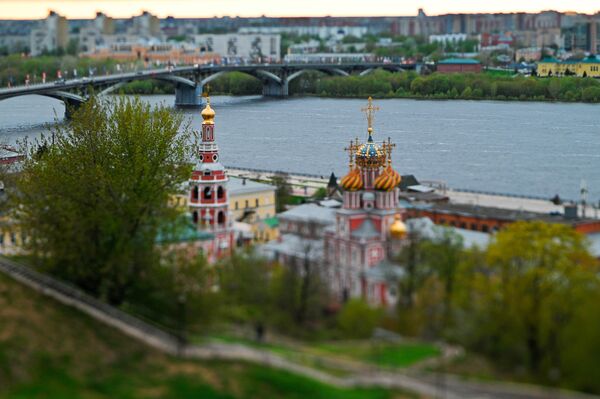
x=256, y=47
x=51, y=36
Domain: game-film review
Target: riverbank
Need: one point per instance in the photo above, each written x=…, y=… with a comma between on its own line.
x=409, y=85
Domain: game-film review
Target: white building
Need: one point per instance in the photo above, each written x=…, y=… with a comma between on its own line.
x=323, y=32
x=450, y=38
x=257, y=47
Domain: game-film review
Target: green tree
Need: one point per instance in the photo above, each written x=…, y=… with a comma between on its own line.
x=94, y=199
x=283, y=191
x=358, y=320
x=527, y=293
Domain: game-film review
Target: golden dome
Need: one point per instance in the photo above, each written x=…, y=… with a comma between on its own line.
x=208, y=114
x=352, y=181
x=388, y=179
x=398, y=228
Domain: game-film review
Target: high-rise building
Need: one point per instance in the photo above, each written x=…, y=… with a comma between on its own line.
x=52, y=35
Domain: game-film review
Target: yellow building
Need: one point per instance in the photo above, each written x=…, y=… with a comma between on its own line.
x=588, y=67
x=251, y=205
x=254, y=203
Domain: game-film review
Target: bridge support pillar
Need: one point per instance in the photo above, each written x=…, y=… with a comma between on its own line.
x=187, y=96
x=70, y=108
x=274, y=89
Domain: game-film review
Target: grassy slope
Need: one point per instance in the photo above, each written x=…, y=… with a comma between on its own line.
x=51, y=351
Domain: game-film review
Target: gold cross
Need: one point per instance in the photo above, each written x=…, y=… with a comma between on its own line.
x=388, y=148
x=370, y=112
x=351, y=148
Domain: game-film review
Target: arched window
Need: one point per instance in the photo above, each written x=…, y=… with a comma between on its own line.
x=220, y=192
x=195, y=217
x=221, y=218
x=207, y=193
x=195, y=193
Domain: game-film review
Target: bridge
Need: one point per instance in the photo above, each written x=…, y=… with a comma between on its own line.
x=188, y=81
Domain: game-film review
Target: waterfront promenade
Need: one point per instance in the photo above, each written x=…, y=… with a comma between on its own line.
x=307, y=184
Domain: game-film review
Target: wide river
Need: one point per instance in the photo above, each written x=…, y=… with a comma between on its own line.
x=512, y=147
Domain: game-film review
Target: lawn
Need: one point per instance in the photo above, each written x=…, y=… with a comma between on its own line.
x=51, y=351
x=387, y=354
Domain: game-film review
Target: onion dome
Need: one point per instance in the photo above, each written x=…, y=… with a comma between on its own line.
x=388, y=179
x=369, y=154
x=398, y=228
x=352, y=181
x=208, y=114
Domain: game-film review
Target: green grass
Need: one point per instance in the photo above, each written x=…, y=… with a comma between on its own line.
x=383, y=354
x=51, y=351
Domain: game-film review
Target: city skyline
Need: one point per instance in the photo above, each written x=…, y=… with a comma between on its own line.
x=83, y=9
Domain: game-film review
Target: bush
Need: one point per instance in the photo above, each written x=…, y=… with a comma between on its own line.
x=358, y=320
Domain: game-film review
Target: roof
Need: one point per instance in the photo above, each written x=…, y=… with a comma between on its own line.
x=332, y=181
x=420, y=188
x=384, y=271
x=181, y=230
x=505, y=214
x=548, y=60
x=294, y=246
x=330, y=203
x=428, y=229
x=366, y=230
x=408, y=180
x=458, y=61
x=310, y=213
x=237, y=186
x=271, y=222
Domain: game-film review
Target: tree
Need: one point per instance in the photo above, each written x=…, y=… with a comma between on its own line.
x=283, y=191
x=527, y=293
x=357, y=319
x=93, y=201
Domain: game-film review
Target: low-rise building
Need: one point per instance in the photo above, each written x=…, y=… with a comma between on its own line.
x=52, y=35
x=459, y=65
x=587, y=67
x=254, y=203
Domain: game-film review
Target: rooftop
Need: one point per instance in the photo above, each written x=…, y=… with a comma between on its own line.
x=310, y=213
x=458, y=61
x=238, y=186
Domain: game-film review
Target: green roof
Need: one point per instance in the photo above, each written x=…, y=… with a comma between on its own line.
x=548, y=60
x=592, y=59
x=181, y=230
x=469, y=61
x=272, y=222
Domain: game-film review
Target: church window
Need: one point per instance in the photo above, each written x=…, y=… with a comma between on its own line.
x=220, y=192
x=195, y=193
x=221, y=218
x=195, y=217
x=207, y=193
x=215, y=157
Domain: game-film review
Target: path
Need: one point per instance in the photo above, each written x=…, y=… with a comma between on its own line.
x=429, y=385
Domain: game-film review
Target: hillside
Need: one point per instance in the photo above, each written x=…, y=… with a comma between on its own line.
x=51, y=351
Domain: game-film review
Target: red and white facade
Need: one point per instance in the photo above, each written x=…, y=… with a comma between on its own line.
x=208, y=200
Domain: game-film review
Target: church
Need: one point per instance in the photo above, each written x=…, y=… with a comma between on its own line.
x=352, y=245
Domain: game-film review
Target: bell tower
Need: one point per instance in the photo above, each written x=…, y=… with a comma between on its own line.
x=208, y=201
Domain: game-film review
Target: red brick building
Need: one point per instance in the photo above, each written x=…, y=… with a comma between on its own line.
x=459, y=65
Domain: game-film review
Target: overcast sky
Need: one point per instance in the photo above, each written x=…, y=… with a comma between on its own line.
x=32, y=9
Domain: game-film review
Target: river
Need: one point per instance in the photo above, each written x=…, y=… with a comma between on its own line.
x=524, y=148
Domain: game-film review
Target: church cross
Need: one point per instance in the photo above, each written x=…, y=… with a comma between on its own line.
x=370, y=112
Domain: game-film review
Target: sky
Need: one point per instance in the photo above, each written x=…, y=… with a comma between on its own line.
x=35, y=9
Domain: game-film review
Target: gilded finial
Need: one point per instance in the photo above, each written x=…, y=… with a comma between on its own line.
x=350, y=150
x=388, y=148
x=370, y=112
x=208, y=114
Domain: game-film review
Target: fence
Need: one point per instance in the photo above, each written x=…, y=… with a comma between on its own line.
x=69, y=295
